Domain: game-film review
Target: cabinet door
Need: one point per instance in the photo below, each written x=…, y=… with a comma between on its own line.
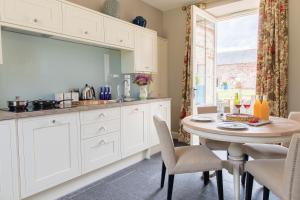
x=163, y=110
x=8, y=161
x=118, y=33
x=81, y=23
x=100, y=151
x=40, y=14
x=145, y=51
x=135, y=129
x=49, y=152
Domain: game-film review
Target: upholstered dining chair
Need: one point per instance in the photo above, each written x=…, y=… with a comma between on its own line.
x=267, y=151
x=212, y=144
x=187, y=159
x=281, y=176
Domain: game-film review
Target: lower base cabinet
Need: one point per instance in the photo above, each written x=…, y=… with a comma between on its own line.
x=134, y=129
x=163, y=110
x=100, y=151
x=49, y=152
x=8, y=161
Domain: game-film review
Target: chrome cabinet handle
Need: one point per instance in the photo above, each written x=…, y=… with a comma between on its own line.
x=101, y=115
x=102, y=128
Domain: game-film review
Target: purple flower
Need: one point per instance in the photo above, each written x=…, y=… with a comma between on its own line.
x=142, y=79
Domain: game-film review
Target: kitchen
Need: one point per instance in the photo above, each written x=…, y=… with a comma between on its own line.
x=104, y=99
x=56, y=134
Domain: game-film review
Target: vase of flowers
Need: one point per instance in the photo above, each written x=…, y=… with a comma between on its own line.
x=143, y=80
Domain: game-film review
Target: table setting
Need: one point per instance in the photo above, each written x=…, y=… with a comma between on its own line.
x=252, y=125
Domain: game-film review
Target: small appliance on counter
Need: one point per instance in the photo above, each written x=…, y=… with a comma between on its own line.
x=17, y=105
x=88, y=93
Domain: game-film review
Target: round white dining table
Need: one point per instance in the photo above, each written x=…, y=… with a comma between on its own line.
x=278, y=131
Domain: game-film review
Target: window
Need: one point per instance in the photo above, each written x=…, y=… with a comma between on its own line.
x=236, y=57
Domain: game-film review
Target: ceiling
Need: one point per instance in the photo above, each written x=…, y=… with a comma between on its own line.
x=215, y=7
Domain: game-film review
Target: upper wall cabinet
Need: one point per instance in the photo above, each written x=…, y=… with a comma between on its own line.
x=118, y=33
x=144, y=57
x=82, y=23
x=40, y=14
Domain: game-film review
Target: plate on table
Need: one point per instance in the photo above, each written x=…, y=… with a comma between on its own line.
x=198, y=118
x=232, y=126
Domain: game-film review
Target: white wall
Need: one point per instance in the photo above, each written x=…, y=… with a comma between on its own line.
x=174, y=30
x=294, y=56
x=129, y=9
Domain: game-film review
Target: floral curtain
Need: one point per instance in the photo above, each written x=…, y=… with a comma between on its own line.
x=272, y=68
x=186, y=104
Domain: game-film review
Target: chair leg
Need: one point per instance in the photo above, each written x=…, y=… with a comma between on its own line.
x=243, y=180
x=170, y=186
x=266, y=193
x=206, y=177
x=220, y=184
x=163, y=175
x=249, y=186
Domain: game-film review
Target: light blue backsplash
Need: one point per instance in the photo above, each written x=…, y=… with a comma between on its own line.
x=36, y=67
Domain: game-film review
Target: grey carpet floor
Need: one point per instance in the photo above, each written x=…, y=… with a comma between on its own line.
x=142, y=181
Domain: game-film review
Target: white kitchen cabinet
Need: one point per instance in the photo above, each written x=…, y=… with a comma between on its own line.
x=144, y=57
x=99, y=128
x=118, y=33
x=134, y=129
x=100, y=151
x=82, y=23
x=8, y=161
x=163, y=110
x=100, y=115
x=49, y=152
x=39, y=14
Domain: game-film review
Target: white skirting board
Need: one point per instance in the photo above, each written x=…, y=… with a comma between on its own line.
x=84, y=180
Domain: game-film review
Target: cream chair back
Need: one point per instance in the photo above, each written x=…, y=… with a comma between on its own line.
x=211, y=109
x=292, y=170
x=295, y=116
x=166, y=142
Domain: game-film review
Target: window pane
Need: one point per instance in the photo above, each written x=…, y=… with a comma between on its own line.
x=237, y=57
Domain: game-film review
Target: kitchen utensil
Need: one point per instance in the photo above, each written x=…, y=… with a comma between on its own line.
x=88, y=93
x=17, y=105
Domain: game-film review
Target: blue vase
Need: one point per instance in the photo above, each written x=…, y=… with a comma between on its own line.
x=112, y=8
x=140, y=21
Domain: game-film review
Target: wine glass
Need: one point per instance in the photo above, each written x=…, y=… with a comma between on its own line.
x=247, y=105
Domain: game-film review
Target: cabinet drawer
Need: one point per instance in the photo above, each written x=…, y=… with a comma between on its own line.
x=100, y=151
x=118, y=33
x=81, y=23
x=40, y=14
x=100, y=128
x=100, y=115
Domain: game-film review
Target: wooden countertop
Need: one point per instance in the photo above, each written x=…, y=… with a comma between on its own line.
x=5, y=115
